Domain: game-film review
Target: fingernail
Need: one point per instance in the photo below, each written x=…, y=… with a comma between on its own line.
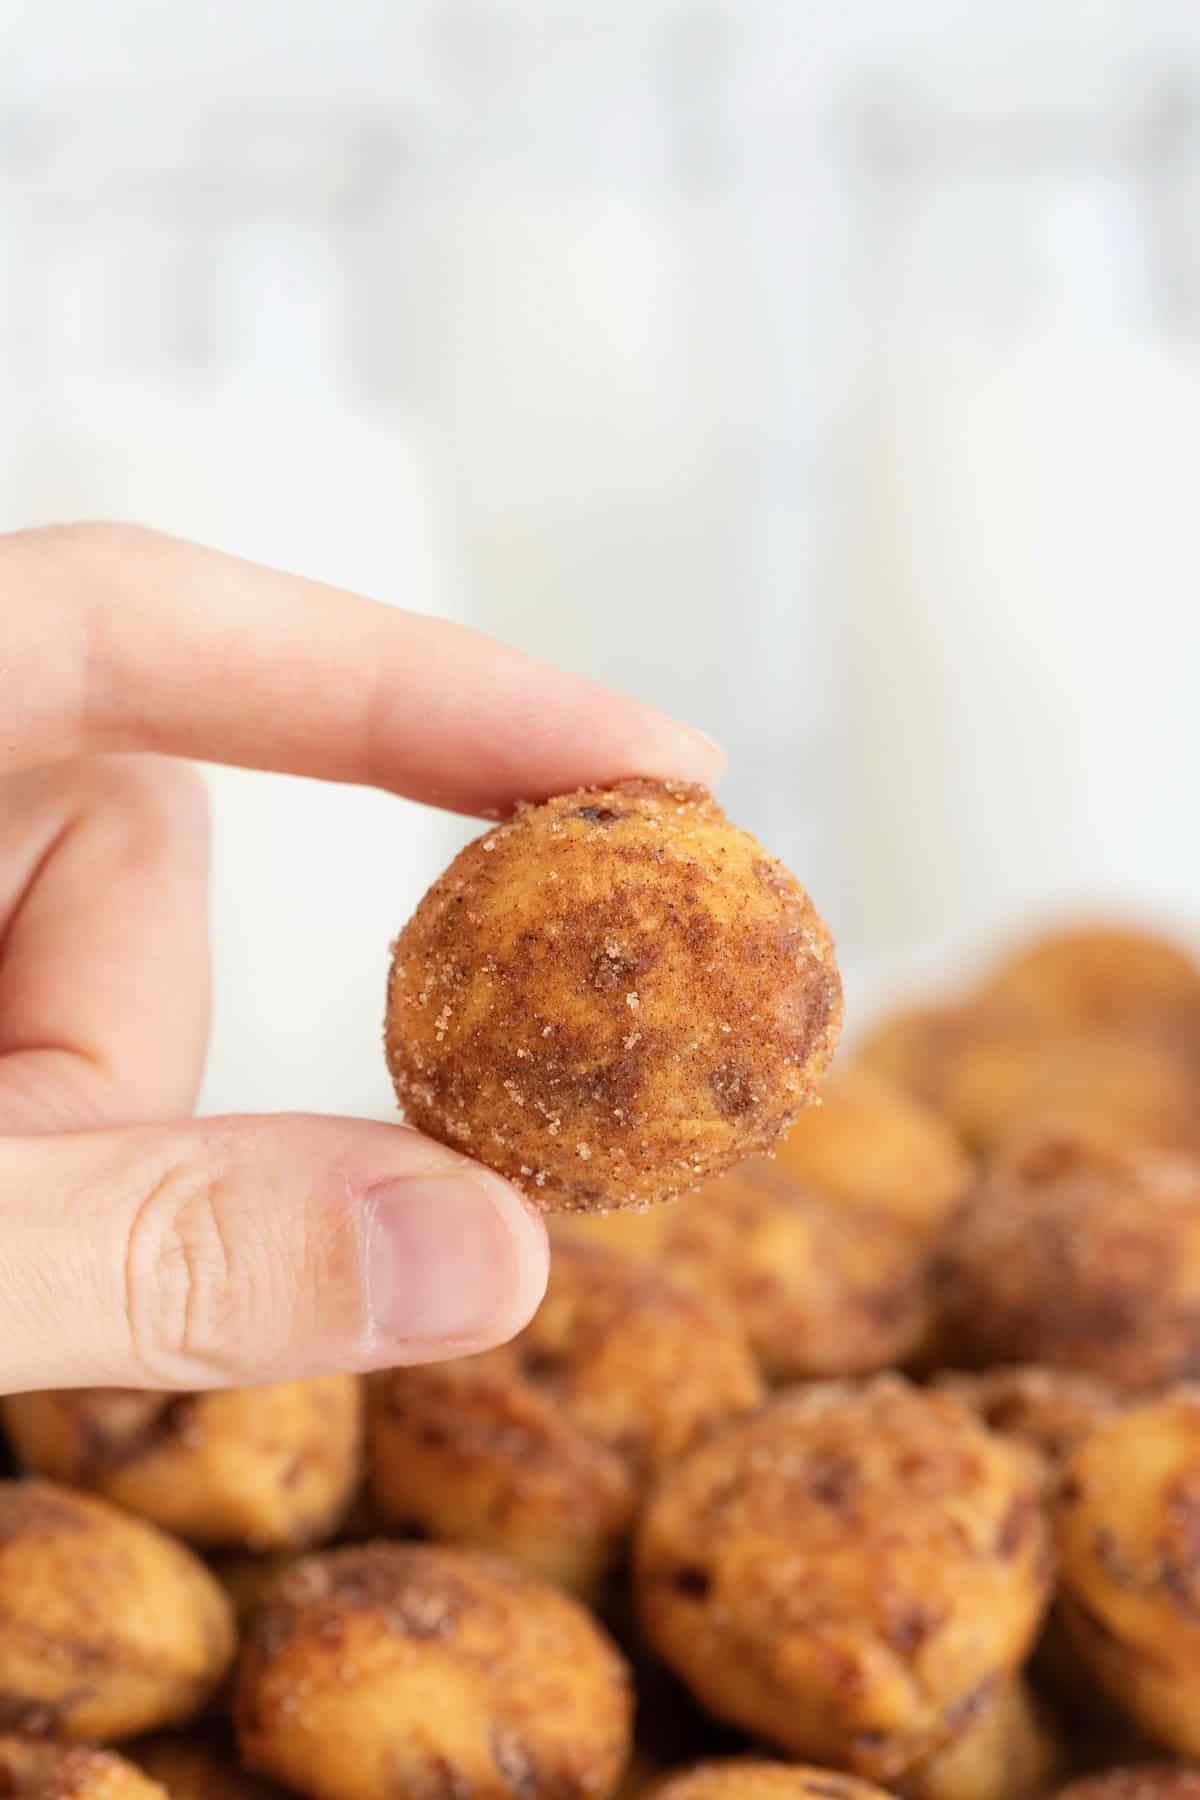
x=714, y=752
x=450, y=1258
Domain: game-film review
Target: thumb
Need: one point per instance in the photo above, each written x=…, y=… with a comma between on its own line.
x=247, y=1250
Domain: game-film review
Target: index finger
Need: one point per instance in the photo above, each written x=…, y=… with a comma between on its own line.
x=117, y=638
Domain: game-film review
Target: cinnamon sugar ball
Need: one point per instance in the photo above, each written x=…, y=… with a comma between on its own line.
x=871, y=1144
x=847, y=1572
x=30, y=1770
x=1009, y=1751
x=1128, y=1523
x=611, y=998
x=819, y=1287
x=404, y=1672
x=1079, y=1257
x=541, y=1449
x=754, y=1778
x=1102, y=977
x=264, y=1468
x=107, y=1627
x=995, y=1071
x=1009, y=1078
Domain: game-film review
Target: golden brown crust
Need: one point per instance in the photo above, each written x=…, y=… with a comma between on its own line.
x=30, y=1770
x=1128, y=1523
x=1079, y=1257
x=869, y=1143
x=263, y=1468
x=1051, y=1411
x=409, y=1672
x=849, y=1573
x=541, y=1449
x=1010, y=1751
x=107, y=1627
x=755, y=1778
x=612, y=997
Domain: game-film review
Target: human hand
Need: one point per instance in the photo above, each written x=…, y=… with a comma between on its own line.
x=138, y=1250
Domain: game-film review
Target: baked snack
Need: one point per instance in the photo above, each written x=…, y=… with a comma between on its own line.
x=263, y=1468
x=611, y=998
x=1009, y=1077
x=1126, y=1525
x=408, y=1671
x=541, y=1449
x=33, y=1770
x=107, y=1627
x=1078, y=1256
x=845, y=1572
x=1101, y=977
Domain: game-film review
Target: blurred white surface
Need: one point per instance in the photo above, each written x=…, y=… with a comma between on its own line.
x=549, y=320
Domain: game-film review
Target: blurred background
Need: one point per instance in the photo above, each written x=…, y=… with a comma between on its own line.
x=828, y=375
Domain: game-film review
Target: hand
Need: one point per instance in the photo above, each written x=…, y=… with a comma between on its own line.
x=137, y=1250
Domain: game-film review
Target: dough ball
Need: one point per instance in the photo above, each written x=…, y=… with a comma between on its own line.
x=611, y=998
x=264, y=1467
x=107, y=1627
x=1079, y=1257
x=847, y=1571
x=412, y=1672
x=1102, y=977
x=1128, y=1524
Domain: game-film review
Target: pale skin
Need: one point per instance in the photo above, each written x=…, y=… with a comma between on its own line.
x=139, y=1247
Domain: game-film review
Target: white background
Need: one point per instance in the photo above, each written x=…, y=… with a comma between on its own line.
x=547, y=317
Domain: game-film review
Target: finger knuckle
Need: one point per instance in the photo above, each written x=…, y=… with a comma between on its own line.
x=191, y=1273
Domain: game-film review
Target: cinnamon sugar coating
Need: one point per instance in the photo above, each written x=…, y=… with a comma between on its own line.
x=413, y=1672
x=108, y=1627
x=262, y=1468
x=611, y=998
x=848, y=1573
x=1128, y=1523
x=1079, y=1256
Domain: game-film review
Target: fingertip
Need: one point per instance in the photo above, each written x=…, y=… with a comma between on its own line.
x=683, y=753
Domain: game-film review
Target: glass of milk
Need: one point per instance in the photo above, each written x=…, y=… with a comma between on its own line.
x=1020, y=555
x=200, y=305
